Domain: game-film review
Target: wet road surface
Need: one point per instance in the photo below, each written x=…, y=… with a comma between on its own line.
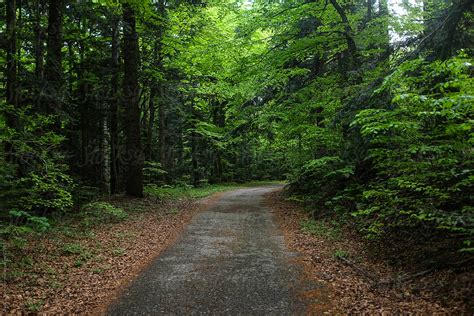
x=231, y=260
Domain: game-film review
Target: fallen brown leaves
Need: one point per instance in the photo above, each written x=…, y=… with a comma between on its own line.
x=86, y=277
x=357, y=285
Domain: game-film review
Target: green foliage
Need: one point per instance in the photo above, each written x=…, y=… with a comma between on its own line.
x=81, y=253
x=153, y=172
x=34, y=306
x=420, y=146
x=322, y=179
x=50, y=191
x=32, y=175
x=36, y=223
x=360, y=109
x=412, y=162
x=73, y=249
x=340, y=253
x=321, y=228
x=22, y=225
x=118, y=252
x=102, y=212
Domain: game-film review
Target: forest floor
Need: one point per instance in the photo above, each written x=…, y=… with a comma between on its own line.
x=78, y=266
x=359, y=282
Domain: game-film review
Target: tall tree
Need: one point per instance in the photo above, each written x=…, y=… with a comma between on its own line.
x=11, y=84
x=348, y=34
x=131, y=121
x=114, y=115
x=54, y=69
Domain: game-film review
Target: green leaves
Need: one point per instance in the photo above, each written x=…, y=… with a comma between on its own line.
x=34, y=180
x=33, y=223
x=102, y=212
x=418, y=146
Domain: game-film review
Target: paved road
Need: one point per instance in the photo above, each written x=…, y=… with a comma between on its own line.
x=231, y=260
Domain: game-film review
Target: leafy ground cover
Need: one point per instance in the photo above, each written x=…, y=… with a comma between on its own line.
x=358, y=280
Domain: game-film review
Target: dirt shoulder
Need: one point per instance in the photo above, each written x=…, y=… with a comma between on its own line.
x=72, y=273
x=355, y=282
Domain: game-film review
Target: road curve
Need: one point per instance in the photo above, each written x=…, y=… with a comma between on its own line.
x=231, y=260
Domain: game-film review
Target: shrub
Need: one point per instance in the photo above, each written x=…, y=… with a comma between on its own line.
x=32, y=177
x=103, y=212
x=153, y=172
x=321, y=179
x=421, y=148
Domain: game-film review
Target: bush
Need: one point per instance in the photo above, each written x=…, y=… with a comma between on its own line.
x=410, y=165
x=153, y=172
x=103, y=212
x=321, y=179
x=32, y=177
x=421, y=149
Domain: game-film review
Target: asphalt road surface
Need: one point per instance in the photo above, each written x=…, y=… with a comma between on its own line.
x=231, y=260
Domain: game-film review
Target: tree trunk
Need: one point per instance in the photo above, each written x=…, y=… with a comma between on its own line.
x=54, y=69
x=194, y=159
x=114, y=163
x=38, y=44
x=150, y=125
x=385, y=36
x=162, y=131
x=154, y=92
x=104, y=157
x=219, y=120
x=369, y=10
x=39, y=52
x=134, y=156
x=11, y=84
x=443, y=36
x=348, y=34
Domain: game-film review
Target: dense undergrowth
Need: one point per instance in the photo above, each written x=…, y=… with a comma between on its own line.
x=406, y=180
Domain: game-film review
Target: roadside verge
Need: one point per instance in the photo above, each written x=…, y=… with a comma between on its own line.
x=339, y=260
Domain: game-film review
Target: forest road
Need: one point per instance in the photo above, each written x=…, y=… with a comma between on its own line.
x=231, y=260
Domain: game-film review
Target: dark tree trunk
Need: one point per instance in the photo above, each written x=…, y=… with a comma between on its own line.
x=384, y=14
x=348, y=34
x=11, y=84
x=39, y=52
x=369, y=10
x=219, y=120
x=54, y=69
x=160, y=93
x=114, y=168
x=38, y=45
x=162, y=132
x=194, y=158
x=444, y=38
x=154, y=92
x=150, y=125
x=134, y=156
